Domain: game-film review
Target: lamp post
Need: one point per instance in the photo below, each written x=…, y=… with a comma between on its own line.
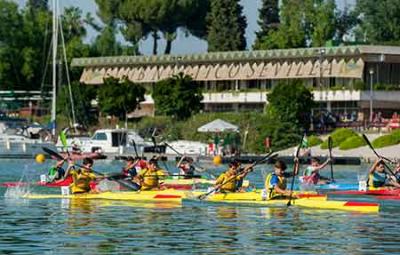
x=321, y=55
x=371, y=96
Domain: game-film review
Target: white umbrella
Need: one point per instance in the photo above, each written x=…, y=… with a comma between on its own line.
x=218, y=126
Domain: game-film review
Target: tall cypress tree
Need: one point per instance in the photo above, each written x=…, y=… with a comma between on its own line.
x=226, y=26
x=268, y=20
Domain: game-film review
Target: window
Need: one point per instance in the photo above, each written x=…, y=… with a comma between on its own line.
x=100, y=137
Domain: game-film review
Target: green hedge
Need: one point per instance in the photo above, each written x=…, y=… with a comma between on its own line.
x=387, y=140
x=339, y=136
x=352, y=143
x=314, y=141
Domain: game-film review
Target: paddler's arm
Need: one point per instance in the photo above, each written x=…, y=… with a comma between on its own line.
x=180, y=161
x=393, y=181
x=373, y=167
x=323, y=165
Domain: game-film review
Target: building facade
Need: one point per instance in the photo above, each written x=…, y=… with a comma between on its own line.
x=344, y=80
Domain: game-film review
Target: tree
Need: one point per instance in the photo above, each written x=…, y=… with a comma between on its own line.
x=106, y=43
x=82, y=96
x=118, y=98
x=178, y=96
x=268, y=20
x=291, y=102
x=302, y=23
x=379, y=23
x=141, y=18
x=226, y=26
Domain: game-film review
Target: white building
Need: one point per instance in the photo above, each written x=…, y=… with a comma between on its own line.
x=340, y=77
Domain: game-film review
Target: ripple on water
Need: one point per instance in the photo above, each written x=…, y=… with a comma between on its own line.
x=102, y=227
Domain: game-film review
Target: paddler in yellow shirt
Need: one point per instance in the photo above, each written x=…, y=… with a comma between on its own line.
x=82, y=177
x=227, y=182
x=149, y=178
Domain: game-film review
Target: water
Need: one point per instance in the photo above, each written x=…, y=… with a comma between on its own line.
x=57, y=226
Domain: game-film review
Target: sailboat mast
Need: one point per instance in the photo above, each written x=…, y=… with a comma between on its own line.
x=55, y=43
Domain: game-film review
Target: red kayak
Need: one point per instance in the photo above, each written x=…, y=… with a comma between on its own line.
x=57, y=184
x=383, y=192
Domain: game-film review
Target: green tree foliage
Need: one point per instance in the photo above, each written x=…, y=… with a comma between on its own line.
x=106, y=43
x=82, y=97
x=291, y=102
x=379, y=22
x=268, y=20
x=118, y=98
x=141, y=18
x=302, y=23
x=226, y=26
x=178, y=96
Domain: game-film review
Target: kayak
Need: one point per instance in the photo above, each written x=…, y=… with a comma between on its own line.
x=311, y=202
x=57, y=184
x=142, y=196
x=379, y=192
x=188, y=184
x=327, y=187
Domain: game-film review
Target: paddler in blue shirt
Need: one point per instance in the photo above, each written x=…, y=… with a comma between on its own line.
x=276, y=182
x=378, y=178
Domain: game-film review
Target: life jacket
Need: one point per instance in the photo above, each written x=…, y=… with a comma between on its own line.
x=229, y=186
x=282, y=183
x=310, y=176
x=376, y=180
x=81, y=181
x=150, y=179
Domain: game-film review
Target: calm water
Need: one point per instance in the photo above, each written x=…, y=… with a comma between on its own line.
x=104, y=227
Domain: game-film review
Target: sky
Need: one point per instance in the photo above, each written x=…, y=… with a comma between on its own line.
x=183, y=44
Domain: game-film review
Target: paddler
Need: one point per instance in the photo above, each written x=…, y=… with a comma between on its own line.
x=228, y=181
x=149, y=178
x=83, y=177
x=378, y=178
x=276, y=182
x=311, y=173
x=57, y=172
x=130, y=170
x=186, y=169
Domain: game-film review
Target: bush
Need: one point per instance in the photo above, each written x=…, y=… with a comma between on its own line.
x=386, y=140
x=352, y=143
x=314, y=141
x=339, y=136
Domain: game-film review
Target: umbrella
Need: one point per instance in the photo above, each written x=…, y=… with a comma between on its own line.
x=218, y=126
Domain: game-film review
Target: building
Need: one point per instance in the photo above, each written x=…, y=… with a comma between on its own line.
x=340, y=77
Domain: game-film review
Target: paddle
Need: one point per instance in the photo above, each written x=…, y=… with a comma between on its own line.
x=379, y=156
x=330, y=145
x=250, y=167
x=296, y=163
x=59, y=157
x=194, y=164
x=134, y=147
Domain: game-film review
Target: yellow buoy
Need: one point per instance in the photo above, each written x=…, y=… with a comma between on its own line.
x=217, y=160
x=40, y=158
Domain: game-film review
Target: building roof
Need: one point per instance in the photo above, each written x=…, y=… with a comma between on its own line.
x=237, y=56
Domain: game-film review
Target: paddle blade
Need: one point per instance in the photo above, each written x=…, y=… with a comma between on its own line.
x=330, y=143
x=63, y=139
x=52, y=153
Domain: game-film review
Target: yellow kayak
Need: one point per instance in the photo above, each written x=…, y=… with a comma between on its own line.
x=176, y=182
x=316, y=202
x=169, y=195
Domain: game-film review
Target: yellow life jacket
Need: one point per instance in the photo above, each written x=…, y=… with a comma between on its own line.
x=150, y=179
x=281, y=183
x=81, y=181
x=229, y=186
